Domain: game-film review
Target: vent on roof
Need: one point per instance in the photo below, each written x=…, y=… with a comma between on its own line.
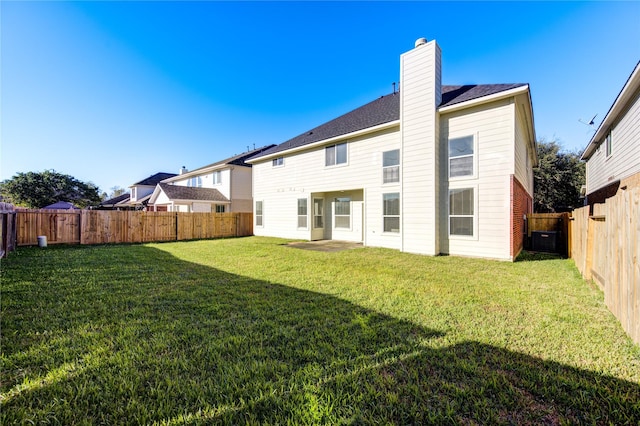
x=421, y=41
x=183, y=170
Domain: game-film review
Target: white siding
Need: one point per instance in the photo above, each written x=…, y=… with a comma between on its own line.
x=420, y=94
x=624, y=160
x=523, y=154
x=304, y=174
x=493, y=126
x=201, y=207
x=240, y=189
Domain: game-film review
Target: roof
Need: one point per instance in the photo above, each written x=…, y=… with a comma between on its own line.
x=60, y=205
x=155, y=179
x=115, y=200
x=385, y=109
x=236, y=160
x=178, y=192
x=618, y=107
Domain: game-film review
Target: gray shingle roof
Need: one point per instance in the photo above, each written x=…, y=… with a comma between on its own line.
x=115, y=200
x=237, y=160
x=383, y=110
x=177, y=192
x=155, y=179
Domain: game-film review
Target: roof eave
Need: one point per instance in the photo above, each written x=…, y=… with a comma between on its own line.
x=485, y=99
x=625, y=95
x=338, y=138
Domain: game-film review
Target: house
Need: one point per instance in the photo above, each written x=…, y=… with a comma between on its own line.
x=431, y=169
x=613, y=153
x=224, y=186
x=141, y=191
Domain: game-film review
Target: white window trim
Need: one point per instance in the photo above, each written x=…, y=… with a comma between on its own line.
x=474, y=175
x=399, y=215
x=213, y=177
x=261, y=215
x=333, y=166
x=333, y=224
x=476, y=213
x=387, y=167
x=275, y=166
x=298, y=216
x=608, y=147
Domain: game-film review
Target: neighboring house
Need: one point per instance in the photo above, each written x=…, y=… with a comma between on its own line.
x=121, y=202
x=613, y=154
x=431, y=169
x=61, y=205
x=141, y=191
x=224, y=186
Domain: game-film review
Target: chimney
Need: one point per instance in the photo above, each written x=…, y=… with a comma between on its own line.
x=183, y=170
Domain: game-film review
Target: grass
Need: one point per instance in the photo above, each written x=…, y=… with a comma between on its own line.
x=250, y=331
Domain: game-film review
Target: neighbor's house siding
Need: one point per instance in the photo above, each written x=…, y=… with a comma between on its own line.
x=240, y=189
x=624, y=161
x=492, y=125
x=304, y=173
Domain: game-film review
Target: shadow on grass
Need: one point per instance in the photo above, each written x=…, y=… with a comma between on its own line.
x=133, y=335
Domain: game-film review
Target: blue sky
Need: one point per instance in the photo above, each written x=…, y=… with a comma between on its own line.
x=113, y=92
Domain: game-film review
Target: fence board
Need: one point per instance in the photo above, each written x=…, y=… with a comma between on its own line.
x=605, y=249
x=110, y=226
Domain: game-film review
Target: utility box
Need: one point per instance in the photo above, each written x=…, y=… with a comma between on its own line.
x=544, y=241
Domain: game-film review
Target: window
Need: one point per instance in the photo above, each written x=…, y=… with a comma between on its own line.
x=318, y=213
x=391, y=166
x=302, y=212
x=277, y=162
x=391, y=212
x=217, y=177
x=134, y=191
x=461, y=211
x=259, y=219
x=335, y=154
x=220, y=208
x=195, y=182
x=461, y=157
x=607, y=144
x=342, y=213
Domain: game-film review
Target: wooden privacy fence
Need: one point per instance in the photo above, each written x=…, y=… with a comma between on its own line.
x=8, y=235
x=110, y=226
x=605, y=248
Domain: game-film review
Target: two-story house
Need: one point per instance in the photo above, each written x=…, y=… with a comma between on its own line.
x=140, y=192
x=613, y=153
x=224, y=186
x=431, y=169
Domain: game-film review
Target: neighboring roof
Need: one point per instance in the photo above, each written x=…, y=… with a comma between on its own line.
x=155, y=179
x=115, y=200
x=625, y=95
x=236, y=160
x=178, y=192
x=383, y=110
x=60, y=205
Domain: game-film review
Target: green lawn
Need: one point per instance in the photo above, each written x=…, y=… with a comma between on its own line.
x=250, y=331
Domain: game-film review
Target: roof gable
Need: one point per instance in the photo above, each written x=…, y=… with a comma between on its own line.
x=385, y=109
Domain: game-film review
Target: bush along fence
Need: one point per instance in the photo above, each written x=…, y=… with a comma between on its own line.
x=605, y=247
x=109, y=226
x=8, y=235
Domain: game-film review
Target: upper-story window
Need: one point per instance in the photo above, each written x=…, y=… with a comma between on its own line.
x=277, y=162
x=217, y=177
x=607, y=144
x=391, y=166
x=335, y=154
x=134, y=192
x=461, y=157
x=195, y=182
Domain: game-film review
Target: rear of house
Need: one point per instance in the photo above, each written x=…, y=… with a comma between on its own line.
x=431, y=169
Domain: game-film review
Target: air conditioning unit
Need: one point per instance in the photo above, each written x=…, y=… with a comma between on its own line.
x=544, y=241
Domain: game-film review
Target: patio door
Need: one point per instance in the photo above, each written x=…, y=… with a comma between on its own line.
x=317, y=230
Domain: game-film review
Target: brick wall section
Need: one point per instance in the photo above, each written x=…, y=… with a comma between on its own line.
x=521, y=204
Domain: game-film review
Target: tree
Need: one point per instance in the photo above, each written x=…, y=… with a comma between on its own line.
x=38, y=189
x=558, y=179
